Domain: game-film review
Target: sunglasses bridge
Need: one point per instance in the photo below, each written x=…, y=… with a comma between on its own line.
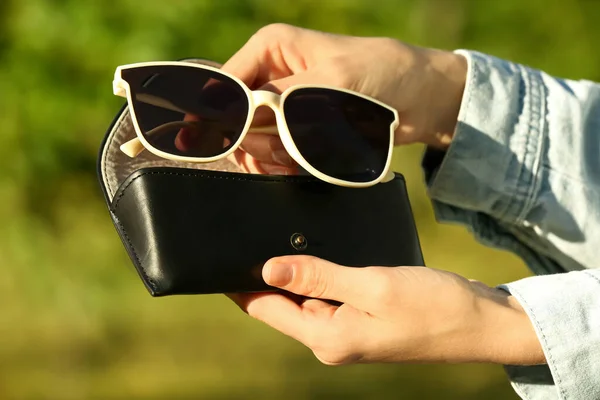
x=266, y=98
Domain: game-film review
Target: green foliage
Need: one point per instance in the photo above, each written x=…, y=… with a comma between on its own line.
x=76, y=323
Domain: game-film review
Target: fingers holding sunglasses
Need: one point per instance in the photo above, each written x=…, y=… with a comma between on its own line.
x=264, y=117
x=275, y=169
x=255, y=62
x=251, y=165
x=280, y=50
x=267, y=149
x=262, y=150
x=247, y=163
x=184, y=136
x=200, y=137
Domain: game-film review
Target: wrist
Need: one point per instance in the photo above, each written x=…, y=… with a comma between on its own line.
x=447, y=76
x=506, y=334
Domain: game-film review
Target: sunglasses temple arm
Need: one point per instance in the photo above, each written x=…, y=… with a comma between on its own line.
x=162, y=103
x=166, y=104
x=134, y=147
x=119, y=90
x=158, y=102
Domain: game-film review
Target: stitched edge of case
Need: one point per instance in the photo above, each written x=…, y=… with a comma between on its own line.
x=237, y=177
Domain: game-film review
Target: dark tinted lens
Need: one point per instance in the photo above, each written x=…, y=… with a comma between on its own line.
x=340, y=134
x=187, y=111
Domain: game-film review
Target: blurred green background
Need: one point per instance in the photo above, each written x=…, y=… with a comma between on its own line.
x=76, y=322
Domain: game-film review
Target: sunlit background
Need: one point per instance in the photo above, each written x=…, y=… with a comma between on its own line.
x=76, y=321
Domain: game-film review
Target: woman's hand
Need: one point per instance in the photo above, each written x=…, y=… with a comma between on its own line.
x=399, y=314
x=424, y=85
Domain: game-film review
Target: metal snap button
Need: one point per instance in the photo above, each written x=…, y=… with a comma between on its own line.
x=298, y=241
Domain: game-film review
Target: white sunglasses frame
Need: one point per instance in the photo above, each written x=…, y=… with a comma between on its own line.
x=256, y=99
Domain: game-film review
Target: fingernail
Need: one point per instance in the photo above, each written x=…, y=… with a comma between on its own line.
x=282, y=157
x=275, y=170
x=278, y=274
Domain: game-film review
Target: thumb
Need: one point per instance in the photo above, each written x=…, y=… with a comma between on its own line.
x=317, y=278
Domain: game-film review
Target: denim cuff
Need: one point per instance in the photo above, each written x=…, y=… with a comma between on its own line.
x=565, y=312
x=492, y=164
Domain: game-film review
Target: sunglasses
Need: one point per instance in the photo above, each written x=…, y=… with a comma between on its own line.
x=196, y=113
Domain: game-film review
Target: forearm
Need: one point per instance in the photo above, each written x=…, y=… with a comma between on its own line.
x=488, y=326
x=505, y=332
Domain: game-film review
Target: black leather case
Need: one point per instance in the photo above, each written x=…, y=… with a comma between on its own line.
x=198, y=231
x=193, y=231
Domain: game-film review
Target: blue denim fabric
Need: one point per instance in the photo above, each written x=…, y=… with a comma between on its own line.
x=523, y=174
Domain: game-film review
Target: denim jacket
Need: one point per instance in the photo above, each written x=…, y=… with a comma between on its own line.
x=523, y=174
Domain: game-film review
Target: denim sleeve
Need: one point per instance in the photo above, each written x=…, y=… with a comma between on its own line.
x=523, y=174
